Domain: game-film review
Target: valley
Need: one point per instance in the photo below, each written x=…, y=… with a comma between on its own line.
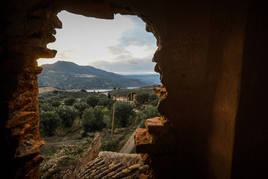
x=71, y=119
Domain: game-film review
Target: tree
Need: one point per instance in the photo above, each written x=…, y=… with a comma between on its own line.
x=54, y=101
x=67, y=115
x=149, y=112
x=69, y=101
x=45, y=107
x=92, y=100
x=106, y=102
x=142, y=98
x=80, y=107
x=122, y=113
x=49, y=121
x=93, y=120
x=153, y=99
x=83, y=90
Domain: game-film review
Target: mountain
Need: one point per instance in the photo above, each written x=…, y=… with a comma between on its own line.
x=68, y=75
x=148, y=79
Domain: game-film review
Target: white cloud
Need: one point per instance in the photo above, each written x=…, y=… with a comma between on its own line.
x=130, y=66
x=91, y=41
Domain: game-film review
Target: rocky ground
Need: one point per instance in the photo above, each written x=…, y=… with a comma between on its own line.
x=64, y=155
x=114, y=165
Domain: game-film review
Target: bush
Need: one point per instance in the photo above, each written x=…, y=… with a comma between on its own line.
x=122, y=113
x=80, y=107
x=154, y=102
x=153, y=99
x=149, y=112
x=142, y=98
x=93, y=120
x=110, y=145
x=67, y=115
x=55, y=103
x=49, y=121
x=69, y=101
x=106, y=102
x=45, y=107
x=92, y=100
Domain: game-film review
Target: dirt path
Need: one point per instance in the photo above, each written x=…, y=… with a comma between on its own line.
x=129, y=145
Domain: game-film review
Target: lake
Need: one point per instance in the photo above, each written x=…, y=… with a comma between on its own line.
x=107, y=90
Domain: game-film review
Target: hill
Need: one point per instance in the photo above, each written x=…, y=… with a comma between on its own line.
x=68, y=75
x=149, y=79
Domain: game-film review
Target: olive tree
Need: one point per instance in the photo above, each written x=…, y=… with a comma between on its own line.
x=67, y=115
x=123, y=111
x=49, y=121
x=93, y=120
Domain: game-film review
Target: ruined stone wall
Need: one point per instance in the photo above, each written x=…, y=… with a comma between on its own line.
x=199, y=57
x=27, y=27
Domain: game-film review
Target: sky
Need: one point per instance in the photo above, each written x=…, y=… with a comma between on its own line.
x=121, y=45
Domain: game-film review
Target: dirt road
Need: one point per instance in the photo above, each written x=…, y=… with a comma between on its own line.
x=129, y=145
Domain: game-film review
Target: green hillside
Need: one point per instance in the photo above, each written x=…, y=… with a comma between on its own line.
x=68, y=75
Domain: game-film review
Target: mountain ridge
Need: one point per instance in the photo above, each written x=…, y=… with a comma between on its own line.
x=68, y=75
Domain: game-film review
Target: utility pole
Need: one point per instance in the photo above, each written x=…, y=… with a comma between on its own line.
x=112, y=131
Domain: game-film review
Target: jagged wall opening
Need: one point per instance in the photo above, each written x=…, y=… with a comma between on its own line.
x=86, y=30
x=23, y=105
x=199, y=57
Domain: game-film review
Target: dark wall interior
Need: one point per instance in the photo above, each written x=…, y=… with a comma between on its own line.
x=212, y=60
x=251, y=133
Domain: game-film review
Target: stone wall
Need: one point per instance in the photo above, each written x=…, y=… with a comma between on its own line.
x=201, y=49
x=26, y=29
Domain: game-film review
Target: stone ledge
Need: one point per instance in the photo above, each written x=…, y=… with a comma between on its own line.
x=154, y=125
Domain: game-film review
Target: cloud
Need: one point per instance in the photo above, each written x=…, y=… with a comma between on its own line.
x=137, y=35
x=133, y=52
x=117, y=50
x=126, y=65
x=121, y=45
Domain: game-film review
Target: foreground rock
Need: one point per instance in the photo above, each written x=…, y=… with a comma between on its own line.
x=67, y=161
x=114, y=165
x=92, y=163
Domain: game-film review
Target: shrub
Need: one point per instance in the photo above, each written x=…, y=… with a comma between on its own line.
x=153, y=99
x=67, y=115
x=45, y=107
x=55, y=103
x=154, y=102
x=49, y=121
x=110, y=145
x=106, y=102
x=149, y=112
x=122, y=113
x=93, y=120
x=92, y=100
x=69, y=101
x=142, y=98
x=83, y=90
x=80, y=107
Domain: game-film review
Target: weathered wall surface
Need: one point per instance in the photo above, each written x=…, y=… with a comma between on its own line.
x=26, y=28
x=199, y=59
x=251, y=133
x=200, y=56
